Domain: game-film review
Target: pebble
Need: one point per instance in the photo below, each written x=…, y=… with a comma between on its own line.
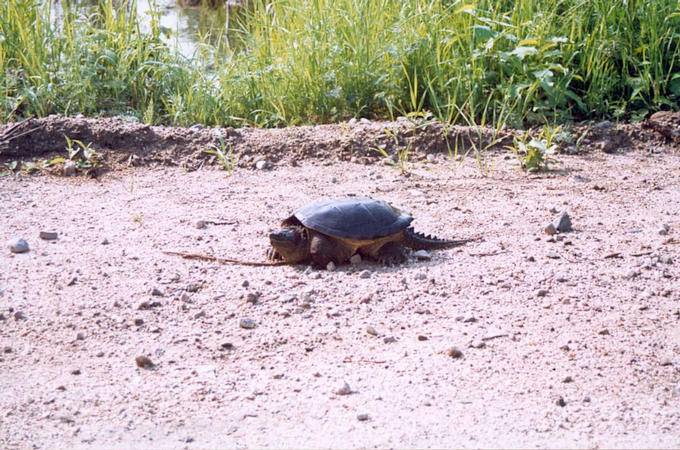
x=80, y=337
x=48, y=235
x=560, y=402
x=262, y=164
x=355, y=259
x=330, y=266
x=389, y=340
x=157, y=292
x=454, y=352
x=19, y=246
x=568, y=379
x=105, y=242
x=563, y=223
x=7, y=349
x=247, y=323
x=422, y=337
x=550, y=229
x=365, y=274
x=69, y=168
x=430, y=158
x=144, y=362
x=666, y=362
x=663, y=230
x=19, y=315
x=75, y=372
x=364, y=121
x=553, y=255
x=201, y=224
x=422, y=255
x=352, y=121
x=478, y=344
x=245, y=283
x=362, y=417
x=139, y=321
x=372, y=331
x=227, y=346
x=344, y=390
x=604, y=332
x=252, y=297
x=541, y=292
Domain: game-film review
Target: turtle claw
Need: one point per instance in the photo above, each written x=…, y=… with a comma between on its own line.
x=392, y=254
x=273, y=255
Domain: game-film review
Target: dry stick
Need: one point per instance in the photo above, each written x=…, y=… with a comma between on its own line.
x=225, y=260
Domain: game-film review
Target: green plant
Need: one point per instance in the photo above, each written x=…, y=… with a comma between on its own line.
x=534, y=155
x=224, y=155
x=402, y=154
x=83, y=155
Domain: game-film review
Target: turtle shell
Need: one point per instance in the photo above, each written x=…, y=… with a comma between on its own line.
x=353, y=218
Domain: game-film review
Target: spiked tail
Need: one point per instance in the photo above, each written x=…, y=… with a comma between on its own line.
x=419, y=241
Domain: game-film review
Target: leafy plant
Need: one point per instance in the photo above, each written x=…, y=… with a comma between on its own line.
x=402, y=154
x=534, y=155
x=83, y=155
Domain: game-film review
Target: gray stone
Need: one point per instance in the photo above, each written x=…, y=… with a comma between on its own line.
x=563, y=223
x=247, y=323
x=550, y=229
x=389, y=340
x=144, y=362
x=355, y=259
x=48, y=235
x=663, y=230
x=330, y=266
x=69, y=168
x=372, y=331
x=422, y=255
x=19, y=246
x=365, y=274
x=344, y=389
x=454, y=352
x=362, y=417
x=430, y=158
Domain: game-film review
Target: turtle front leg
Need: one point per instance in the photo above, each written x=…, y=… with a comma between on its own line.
x=324, y=250
x=392, y=253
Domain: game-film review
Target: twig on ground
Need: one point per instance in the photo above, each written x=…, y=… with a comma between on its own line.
x=225, y=260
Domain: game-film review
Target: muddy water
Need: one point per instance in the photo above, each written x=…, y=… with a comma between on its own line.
x=182, y=24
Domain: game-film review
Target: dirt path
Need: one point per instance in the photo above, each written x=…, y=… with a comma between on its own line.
x=592, y=318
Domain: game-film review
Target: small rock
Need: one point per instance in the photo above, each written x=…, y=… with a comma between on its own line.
x=422, y=255
x=99, y=354
x=586, y=399
x=80, y=336
x=365, y=274
x=563, y=223
x=48, y=235
x=196, y=126
x=422, y=337
x=666, y=362
x=227, y=346
x=330, y=266
x=252, y=297
x=144, y=306
x=352, y=121
x=144, y=362
x=454, y=352
x=69, y=168
x=362, y=417
x=478, y=344
x=105, y=242
x=139, y=321
x=604, y=332
x=550, y=229
x=568, y=379
x=553, y=255
x=344, y=389
x=430, y=158
x=7, y=349
x=355, y=259
x=560, y=402
x=201, y=224
x=262, y=164
x=19, y=246
x=470, y=319
x=372, y=331
x=245, y=283
x=247, y=323
x=364, y=121
x=541, y=292
x=188, y=439
x=157, y=292
x=663, y=230
x=19, y=315
x=75, y=372
x=389, y=339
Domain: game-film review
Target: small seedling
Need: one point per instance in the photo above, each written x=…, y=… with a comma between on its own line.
x=533, y=155
x=83, y=155
x=402, y=154
x=224, y=155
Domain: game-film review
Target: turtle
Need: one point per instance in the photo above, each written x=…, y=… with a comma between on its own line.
x=334, y=230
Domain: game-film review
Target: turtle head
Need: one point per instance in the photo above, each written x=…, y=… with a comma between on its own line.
x=291, y=243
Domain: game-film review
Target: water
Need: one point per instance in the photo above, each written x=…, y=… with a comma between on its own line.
x=183, y=27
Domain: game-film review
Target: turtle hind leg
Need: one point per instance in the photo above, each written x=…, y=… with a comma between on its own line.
x=392, y=253
x=324, y=250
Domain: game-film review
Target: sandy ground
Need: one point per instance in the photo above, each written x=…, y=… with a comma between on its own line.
x=567, y=342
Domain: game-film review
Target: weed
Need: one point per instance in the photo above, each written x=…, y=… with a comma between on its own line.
x=402, y=154
x=224, y=155
x=534, y=155
x=83, y=155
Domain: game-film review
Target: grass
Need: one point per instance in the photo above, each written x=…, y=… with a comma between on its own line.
x=316, y=61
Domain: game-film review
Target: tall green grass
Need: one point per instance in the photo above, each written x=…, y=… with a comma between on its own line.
x=314, y=61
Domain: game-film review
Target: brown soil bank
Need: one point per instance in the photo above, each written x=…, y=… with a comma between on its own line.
x=570, y=340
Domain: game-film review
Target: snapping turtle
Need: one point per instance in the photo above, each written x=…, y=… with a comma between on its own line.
x=334, y=230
